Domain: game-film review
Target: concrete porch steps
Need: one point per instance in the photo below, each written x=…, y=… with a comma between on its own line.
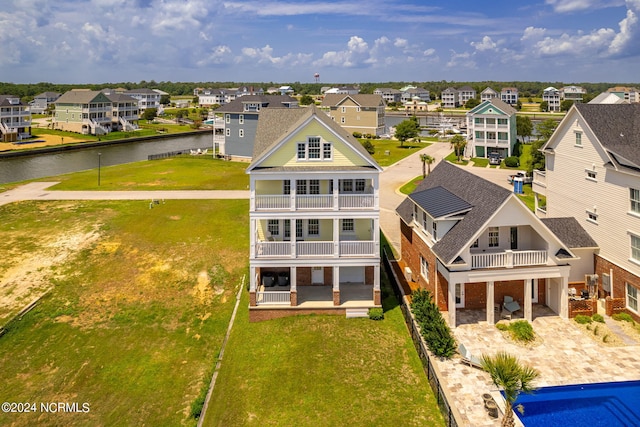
x=357, y=312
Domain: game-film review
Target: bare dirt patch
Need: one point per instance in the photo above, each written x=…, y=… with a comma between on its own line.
x=29, y=276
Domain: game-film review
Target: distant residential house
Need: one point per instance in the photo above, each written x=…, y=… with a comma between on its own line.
x=593, y=174
x=388, y=94
x=509, y=95
x=83, y=111
x=124, y=112
x=362, y=113
x=488, y=94
x=415, y=105
x=42, y=101
x=209, y=97
x=286, y=90
x=572, y=93
x=236, y=123
x=343, y=90
x=147, y=98
x=314, y=218
x=491, y=127
x=630, y=94
x=450, y=98
x=15, y=119
x=472, y=243
x=608, y=98
x=412, y=92
x=466, y=93
x=551, y=96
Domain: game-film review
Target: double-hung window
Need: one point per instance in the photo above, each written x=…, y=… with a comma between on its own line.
x=494, y=237
x=348, y=225
x=635, y=248
x=424, y=268
x=313, y=148
x=273, y=227
x=314, y=186
x=632, y=297
x=313, y=228
x=634, y=196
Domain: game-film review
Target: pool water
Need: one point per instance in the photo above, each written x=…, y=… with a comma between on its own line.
x=593, y=405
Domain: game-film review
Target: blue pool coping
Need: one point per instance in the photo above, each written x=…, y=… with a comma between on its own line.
x=609, y=404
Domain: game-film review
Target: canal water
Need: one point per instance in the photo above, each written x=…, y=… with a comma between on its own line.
x=49, y=164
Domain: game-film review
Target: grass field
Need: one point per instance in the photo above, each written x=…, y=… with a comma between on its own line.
x=322, y=370
x=135, y=313
x=176, y=173
x=395, y=152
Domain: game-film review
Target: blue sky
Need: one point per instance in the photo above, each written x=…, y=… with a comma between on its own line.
x=345, y=41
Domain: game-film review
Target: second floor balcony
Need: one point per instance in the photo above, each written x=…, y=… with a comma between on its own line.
x=508, y=259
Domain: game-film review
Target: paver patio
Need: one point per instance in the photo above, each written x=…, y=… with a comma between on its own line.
x=566, y=355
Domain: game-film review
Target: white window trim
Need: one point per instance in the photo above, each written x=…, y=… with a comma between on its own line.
x=631, y=258
x=241, y=119
x=227, y=118
x=626, y=297
x=592, y=216
x=631, y=211
x=593, y=178
x=575, y=142
x=424, y=268
x=241, y=133
x=353, y=221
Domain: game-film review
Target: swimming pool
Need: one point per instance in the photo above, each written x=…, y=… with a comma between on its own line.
x=593, y=405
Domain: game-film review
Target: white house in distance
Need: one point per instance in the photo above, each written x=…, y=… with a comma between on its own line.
x=491, y=127
x=593, y=174
x=15, y=119
x=552, y=97
x=314, y=218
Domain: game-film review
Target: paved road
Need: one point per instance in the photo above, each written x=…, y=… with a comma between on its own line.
x=391, y=179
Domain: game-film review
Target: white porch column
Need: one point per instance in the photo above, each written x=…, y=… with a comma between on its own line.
x=376, y=236
x=293, y=295
x=451, y=304
x=252, y=279
x=336, y=285
x=293, y=189
x=336, y=195
x=491, y=318
x=377, y=296
x=253, y=236
x=293, y=235
x=336, y=237
x=564, y=297
x=527, y=300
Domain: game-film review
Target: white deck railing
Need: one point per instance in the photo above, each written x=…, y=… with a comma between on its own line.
x=357, y=248
x=314, y=201
x=508, y=259
x=271, y=249
x=273, y=297
x=314, y=248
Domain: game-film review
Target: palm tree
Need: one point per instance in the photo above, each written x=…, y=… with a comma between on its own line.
x=427, y=160
x=507, y=372
x=458, y=143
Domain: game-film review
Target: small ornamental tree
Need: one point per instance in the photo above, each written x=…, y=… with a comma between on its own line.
x=406, y=129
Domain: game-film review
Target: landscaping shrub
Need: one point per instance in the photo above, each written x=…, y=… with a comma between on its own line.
x=582, y=319
x=522, y=330
x=376, y=313
x=517, y=149
x=502, y=326
x=625, y=317
x=512, y=162
x=433, y=328
x=368, y=146
x=357, y=134
x=597, y=318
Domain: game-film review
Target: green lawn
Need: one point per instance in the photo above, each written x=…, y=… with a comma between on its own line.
x=395, y=152
x=176, y=173
x=134, y=318
x=322, y=370
x=411, y=185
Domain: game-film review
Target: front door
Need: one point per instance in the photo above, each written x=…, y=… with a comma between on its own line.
x=459, y=295
x=317, y=275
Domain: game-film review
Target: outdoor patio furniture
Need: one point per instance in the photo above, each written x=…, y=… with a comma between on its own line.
x=469, y=358
x=510, y=305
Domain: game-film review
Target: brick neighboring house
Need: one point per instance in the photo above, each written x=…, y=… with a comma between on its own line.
x=83, y=111
x=314, y=217
x=15, y=119
x=235, y=123
x=471, y=242
x=362, y=113
x=492, y=128
x=593, y=174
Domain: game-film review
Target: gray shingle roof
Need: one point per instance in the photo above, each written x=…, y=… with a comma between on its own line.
x=81, y=97
x=271, y=101
x=570, y=232
x=617, y=127
x=485, y=198
x=276, y=123
x=439, y=202
x=4, y=100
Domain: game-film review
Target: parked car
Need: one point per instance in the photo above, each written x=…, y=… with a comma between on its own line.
x=525, y=179
x=494, y=158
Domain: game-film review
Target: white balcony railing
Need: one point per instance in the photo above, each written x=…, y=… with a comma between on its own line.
x=314, y=201
x=509, y=259
x=273, y=297
x=314, y=248
x=357, y=248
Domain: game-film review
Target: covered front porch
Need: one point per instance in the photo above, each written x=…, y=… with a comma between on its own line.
x=488, y=290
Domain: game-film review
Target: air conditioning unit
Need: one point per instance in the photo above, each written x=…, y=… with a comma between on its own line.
x=408, y=274
x=606, y=282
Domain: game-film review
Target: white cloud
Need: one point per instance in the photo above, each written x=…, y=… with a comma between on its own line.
x=485, y=44
x=533, y=33
x=568, y=6
x=265, y=55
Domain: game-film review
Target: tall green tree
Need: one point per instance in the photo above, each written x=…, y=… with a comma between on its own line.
x=427, y=161
x=544, y=106
x=407, y=129
x=306, y=100
x=524, y=127
x=514, y=378
x=458, y=143
x=545, y=129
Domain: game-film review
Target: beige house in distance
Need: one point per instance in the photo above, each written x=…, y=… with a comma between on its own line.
x=362, y=113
